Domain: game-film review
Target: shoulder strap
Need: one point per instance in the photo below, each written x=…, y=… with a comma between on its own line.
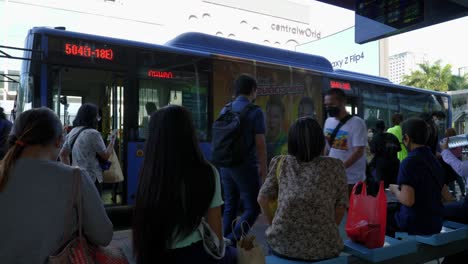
x=76, y=137
x=278, y=168
x=337, y=128
x=246, y=109
x=75, y=203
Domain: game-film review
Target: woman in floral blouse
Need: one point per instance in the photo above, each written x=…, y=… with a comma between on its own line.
x=312, y=196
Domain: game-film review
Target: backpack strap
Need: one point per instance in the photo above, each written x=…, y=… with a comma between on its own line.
x=337, y=128
x=246, y=110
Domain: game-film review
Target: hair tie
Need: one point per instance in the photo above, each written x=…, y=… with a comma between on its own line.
x=20, y=143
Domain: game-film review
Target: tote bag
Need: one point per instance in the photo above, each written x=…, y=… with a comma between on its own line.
x=114, y=173
x=248, y=250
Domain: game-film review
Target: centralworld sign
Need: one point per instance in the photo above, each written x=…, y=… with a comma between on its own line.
x=296, y=30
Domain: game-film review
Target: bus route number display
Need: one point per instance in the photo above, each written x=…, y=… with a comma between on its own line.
x=88, y=52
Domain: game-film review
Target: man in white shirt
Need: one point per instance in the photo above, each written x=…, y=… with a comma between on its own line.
x=346, y=137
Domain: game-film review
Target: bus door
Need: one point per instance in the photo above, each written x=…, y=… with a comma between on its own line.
x=352, y=105
x=72, y=87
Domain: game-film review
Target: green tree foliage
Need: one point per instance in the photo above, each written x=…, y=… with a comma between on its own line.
x=433, y=77
x=458, y=82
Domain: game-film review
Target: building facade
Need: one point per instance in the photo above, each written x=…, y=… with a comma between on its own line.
x=404, y=63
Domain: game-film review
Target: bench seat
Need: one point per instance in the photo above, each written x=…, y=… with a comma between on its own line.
x=392, y=248
x=451, y=231
x=277, y=260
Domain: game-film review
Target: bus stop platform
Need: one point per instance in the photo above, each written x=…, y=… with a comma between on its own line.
x=425, y=254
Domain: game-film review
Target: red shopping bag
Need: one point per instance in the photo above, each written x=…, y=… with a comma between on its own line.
x=367, y=217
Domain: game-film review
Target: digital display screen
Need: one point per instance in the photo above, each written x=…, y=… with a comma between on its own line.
x=88, y=51
x=160, y=74
x=65, y=50
x=397, y=14
x=340, y=85
x=376, y=19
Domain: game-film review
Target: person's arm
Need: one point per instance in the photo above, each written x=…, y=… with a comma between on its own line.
x=260, y=145
x=105, y=155
x=446, y=195
x=460, y=167
x=214, y=219
x=65, y=151
x=341, y=194
x=101, y=149
x=269, y=191
x=355, y=156
x=405, y=196
x=260, y=142
x=96, y=224
x=264, y=203
x=359, y=141
x=65, y=156
x=339, y=214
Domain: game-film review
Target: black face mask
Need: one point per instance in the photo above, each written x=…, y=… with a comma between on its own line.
x=332, y=111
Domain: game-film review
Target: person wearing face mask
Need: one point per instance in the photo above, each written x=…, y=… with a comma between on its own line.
x=419, y=185
x=346, y=137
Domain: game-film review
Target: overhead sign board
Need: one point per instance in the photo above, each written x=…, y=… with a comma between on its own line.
x=376, y=19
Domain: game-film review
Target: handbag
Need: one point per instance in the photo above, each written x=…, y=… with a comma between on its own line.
x=114, y=173
x=77, y=250
x=248, y=250
x=367, y=216
x=274, y=204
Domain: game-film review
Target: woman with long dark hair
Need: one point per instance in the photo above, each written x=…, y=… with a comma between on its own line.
x=85, y=144
x=177, y=188
x=36, y=194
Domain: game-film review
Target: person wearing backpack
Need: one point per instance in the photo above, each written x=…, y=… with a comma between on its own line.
x=239, y=149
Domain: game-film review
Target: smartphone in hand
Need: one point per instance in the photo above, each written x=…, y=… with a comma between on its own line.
x=112, y=136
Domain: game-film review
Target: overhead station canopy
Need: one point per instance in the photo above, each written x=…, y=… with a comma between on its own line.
x=376, y=19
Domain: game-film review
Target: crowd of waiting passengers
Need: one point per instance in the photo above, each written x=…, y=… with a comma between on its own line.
x=181, y=193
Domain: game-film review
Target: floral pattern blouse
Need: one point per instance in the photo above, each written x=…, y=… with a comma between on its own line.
x=308, y=192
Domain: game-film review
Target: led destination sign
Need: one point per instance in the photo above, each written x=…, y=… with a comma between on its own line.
x=89, y=52
x=340, y=85
x=160, y=74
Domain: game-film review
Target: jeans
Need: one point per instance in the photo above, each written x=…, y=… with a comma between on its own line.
x=240, y=184
x=457, y=211
x=460, y=183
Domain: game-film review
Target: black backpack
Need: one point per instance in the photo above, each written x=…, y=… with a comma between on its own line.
x=228, y=147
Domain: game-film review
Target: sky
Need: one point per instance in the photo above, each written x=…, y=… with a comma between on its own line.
x=446, y=41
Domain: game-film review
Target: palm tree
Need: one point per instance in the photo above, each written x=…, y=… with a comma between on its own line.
x=458, y=82
x=433, y=77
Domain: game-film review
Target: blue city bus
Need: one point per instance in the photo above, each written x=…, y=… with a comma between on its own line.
x=129, y=80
